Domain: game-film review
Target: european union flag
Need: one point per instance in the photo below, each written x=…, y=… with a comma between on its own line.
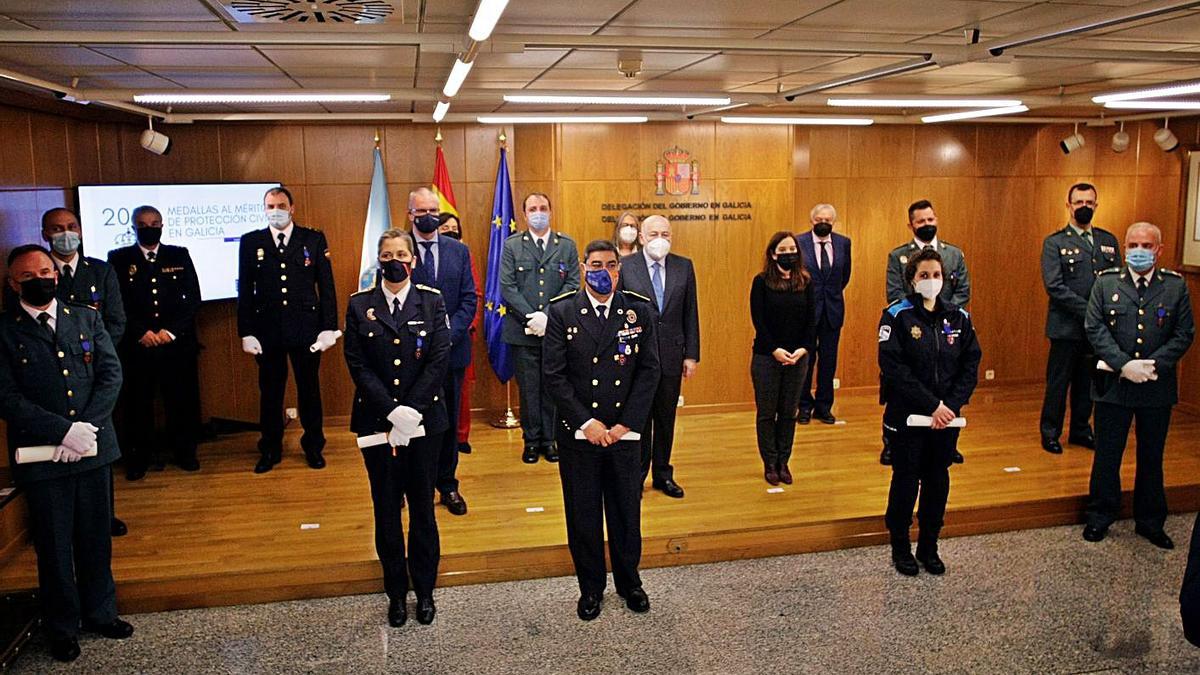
x=503, y=224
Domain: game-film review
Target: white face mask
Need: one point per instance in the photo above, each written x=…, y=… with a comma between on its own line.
x=658, y=248
x=278, y=218
x=928, y=288
x=628, y=234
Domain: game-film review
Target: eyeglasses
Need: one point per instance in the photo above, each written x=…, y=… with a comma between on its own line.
x=425, y=212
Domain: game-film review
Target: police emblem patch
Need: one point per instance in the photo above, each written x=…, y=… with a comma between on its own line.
x=885, y=333
x=915, y=331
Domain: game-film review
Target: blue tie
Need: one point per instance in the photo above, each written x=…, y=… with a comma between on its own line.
x=656, y=282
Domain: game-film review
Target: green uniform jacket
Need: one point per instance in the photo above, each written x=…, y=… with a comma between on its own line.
x=1068, y=271
x=95, y=284
x=529, y=279
x=956, y=284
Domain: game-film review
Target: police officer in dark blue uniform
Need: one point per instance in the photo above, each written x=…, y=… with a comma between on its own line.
x=929, y=365
x=398, y=352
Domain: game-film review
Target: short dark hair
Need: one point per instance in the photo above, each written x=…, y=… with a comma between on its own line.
x=50, y=212
x=1081, y=187
x=543, y=195
x=26, y=249
x=910, y=268
x=596, y=245
x=144, y=208
x=919, y=205
x=280, y=191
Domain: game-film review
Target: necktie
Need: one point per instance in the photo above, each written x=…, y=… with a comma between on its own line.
x=825, y=262
x=600, y=311
x=282, y=247
x=151, y=256
x=427, y=257
x=1142, y=286
x=395, y=307
x=927, y=247
x=1087, y=239
x=67, y=275
x=657, y=282
x=44, y=319
x=541, y=247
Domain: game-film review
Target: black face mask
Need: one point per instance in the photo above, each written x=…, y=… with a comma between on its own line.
x=1084, y=215
x=453, y=234
x=149, y=236
x=822, y=229
x=394, y=271
x=38, y=291
x=926, y=233
x=787, y=261
x=426, y=223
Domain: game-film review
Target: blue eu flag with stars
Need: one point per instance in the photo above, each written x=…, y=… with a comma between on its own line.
x=503, y=225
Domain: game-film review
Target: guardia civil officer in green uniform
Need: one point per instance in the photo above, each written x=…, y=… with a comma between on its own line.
x=536, y=265
x=1139, y=320
x=59, y=382
x=1072, y=258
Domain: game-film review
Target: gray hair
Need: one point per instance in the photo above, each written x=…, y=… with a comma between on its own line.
x=420, y=192
x=655, y=218
x=1143, y=225
x=822, y=207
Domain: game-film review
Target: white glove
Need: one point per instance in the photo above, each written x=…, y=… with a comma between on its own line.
x=405, y=420
x=80, y=438
x=397, y=438
x=251, y=345
x=64, y=454
x=537, y=323
x=325, y=340
x=1138, y=371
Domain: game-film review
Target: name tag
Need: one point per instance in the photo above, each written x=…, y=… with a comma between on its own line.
x=168, y=270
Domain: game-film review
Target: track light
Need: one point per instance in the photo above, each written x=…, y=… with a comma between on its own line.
x=1120, y=140
x=486, y=17
x=458, y=75
x=155, y=142
x=1072, y=143
x=440, y=111
x=1166, y=138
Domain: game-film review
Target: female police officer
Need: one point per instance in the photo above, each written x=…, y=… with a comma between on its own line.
x=929, y=360
x=397, y=349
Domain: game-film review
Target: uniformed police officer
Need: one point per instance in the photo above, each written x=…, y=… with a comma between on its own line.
x=161, y=293
x=1072, y=258
x=398, y=351
x=59, y=382
x=286, y=310
x=602, y=369
x=536, y=265
x=1139, y=321
x=929, y=365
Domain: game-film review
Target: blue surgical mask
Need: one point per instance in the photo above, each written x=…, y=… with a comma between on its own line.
x=539, y=221
x=1139, y=259
x=65, y=243
x=599, y=281
x=278, y=218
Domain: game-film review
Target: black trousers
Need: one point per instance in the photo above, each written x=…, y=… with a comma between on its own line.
x=659, y=434
x=409, y=473
x=447, y=462
x=537, y=407
x=272, y=381
x=776, y=397
x=826, y=355
x=603, y=486
x=69, y=518
x=920, y=465
x=171, y=369
x=1070, y=365
x=1112, y=431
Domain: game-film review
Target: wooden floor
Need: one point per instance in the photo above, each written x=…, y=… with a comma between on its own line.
x=226, y=536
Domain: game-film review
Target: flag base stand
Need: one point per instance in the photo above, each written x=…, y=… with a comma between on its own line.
x=508, y=420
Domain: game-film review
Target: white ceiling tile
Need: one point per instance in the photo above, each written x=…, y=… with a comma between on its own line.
x=607, y=60
x=904, y=16
x=345, y=57
x=207, y=57
x=762, y=15
x=57, y=57
x=124, y=10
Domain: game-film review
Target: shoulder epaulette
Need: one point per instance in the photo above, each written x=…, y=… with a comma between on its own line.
x=902, y=247
x=899, y=306
x=1172, y=273
x=1111, y=270
x=365, y=290
x=639, y=296
x=514, y=234
x=964, y=312
x=79, y=305
x=563, y=296
x=562, y=235
x=428, y=288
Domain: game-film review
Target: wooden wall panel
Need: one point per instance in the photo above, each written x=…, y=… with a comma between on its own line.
x=194, y=157
x=51, y=158
x=262, y=153
x=16, y=150
x=884, y=151
x=84, y=159
x=1007, y=149
x=1052, y=162
x=599, y=152
x=945, y=150
x=828, y=151
x=340, y=154
x=751, y=151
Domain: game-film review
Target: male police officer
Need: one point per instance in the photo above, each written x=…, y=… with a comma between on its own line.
x=1072, y=258
x=536, y=265
x=1139, y=321
x=161, y=293
x=287, y=309
x=601, y=366
x=59, y=382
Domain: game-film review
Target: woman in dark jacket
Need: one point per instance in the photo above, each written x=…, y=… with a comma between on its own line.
x=781, y=307
x=929, y=365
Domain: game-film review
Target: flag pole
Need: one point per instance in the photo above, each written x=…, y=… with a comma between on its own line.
x=508, y=420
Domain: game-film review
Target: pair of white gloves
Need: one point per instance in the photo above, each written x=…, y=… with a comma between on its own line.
x=536, y=324
x=405, y=421
x=325, y=340
x=1138, y=371
x=79, y=442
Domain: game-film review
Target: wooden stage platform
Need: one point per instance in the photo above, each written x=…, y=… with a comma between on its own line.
x=226, y=536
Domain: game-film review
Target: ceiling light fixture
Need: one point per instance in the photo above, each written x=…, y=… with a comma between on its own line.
x=1153, y=105
x=1073, y=142
x=440, y=111
x=261, y=98
x=1150, y=93
x=487, y=15
x=825, y=121
x=648, y=99
x=458, y=75
x=921, y=102
x=1166, y=138
x=1121, y=140
x=972, y=114
x=562, y=119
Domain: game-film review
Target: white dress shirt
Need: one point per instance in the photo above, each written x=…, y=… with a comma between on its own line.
x=52, y=310
x=73, y=263
x=817, y=249
x=650, y=262
x=390, y=296
x=287, y=234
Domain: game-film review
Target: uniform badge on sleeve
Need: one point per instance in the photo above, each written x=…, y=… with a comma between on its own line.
x=885, y=333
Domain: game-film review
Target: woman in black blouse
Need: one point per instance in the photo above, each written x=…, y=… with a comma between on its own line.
x=781, y=306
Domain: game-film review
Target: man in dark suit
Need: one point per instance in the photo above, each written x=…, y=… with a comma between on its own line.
x=287, y=310
x=59, y=382
x=601, y=365
x=1189, y=593
x=827, y=258
x=446, y=266
x=670, y=281
x=161, y=293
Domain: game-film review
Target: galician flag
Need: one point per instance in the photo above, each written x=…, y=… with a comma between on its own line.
x=441, y=185
x=379, y=220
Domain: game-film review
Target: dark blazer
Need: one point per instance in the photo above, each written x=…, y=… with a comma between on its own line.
x=828, y=284
x=1189, y=593
x=457, y=285
x=285, y=300
x=94, y=284
x=40, y=403
x=399, y=361
x=956, y=282
x=529, y=279
x=1068, y=272
x=678, y=324
x=159, y=295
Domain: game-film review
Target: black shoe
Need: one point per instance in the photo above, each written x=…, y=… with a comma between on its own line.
x=957, y=458
x=805, y=417
x=454, y=503
x=588, y=607
x=64, y=648
x=636, y=600
x=826, y=418
x=135, y=473
x=928, y=557
x=113, y=630
x=188, y=464
x=885, y=456
x=315, y=460
x=530, y=456
x=1094, y=534
x=425, y=611
x=158, y=465
x=1083, y=440
x=669, y=488
x=551, y=452
x=1156, y=537
x=903, y=560
x=117, y=527
x=1051, y=445
x=397, y=613
x=265, y=464
x=464, y=448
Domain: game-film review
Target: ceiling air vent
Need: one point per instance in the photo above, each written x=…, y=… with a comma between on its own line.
x=315, y=12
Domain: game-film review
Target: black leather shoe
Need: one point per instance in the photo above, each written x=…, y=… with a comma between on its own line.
x=64, y=648
x=425, y=611
x=464, y=448
x=1083, y=440
x=805, y=417
x=117, y=527
x=1051, y=445
x=188, y=464
x=957, y=458
x=551, y=452
x=904, y=562
x=1156, y=537
x=315, y=460
x=113, y=630
x=636, y=600
x=885, y=456
x=454, y=503
x=588, y=607
x=928, y=557
x=397, y=613
x=530, y=456
x=265, y=464
x=826, y=418
x=135, y=473
x=1094, y=534
x=669, y=488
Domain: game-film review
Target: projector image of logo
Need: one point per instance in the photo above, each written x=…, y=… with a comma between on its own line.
x=126, y=238
x=677, y=173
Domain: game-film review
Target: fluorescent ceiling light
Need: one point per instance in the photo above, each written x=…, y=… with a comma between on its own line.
x=920, y=102
x=261, y=98
x=563, y=119
x=440, y=111
x=1153, y=105
x=617, y=100
x=972, y=114
x=458, y=75
x=486, y=18
x=1151, y=93
x=835, y=121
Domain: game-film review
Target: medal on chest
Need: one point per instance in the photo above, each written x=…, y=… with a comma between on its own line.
x=915, y=332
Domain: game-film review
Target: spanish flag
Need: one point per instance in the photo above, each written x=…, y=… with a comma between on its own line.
x=441, y=185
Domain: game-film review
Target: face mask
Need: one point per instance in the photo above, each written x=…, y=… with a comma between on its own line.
x=787, y=261
x=149, y=236
x=926, y=233
x=278, y=218
x=599, y=281
x=38, y=291
x=628, y=234
x=1139, y=259
x=426, y=223
x=658, y=248
x=928, y=288
x=65, y=243
x=1084, y=214
x=453, y=234
x=394, y=270
x=822, y=229
x=539, y=221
